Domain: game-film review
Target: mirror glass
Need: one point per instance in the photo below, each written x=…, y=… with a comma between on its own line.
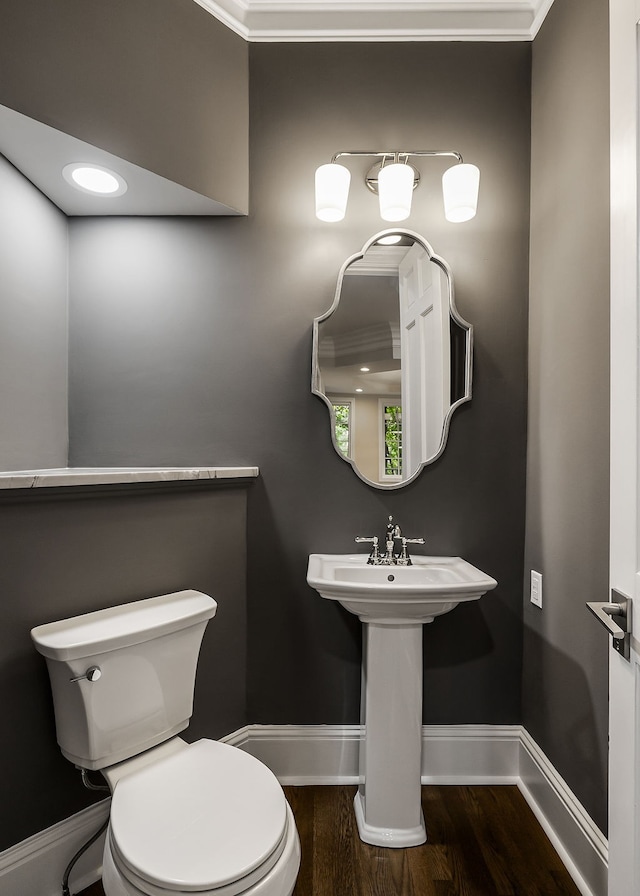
x=392, y=358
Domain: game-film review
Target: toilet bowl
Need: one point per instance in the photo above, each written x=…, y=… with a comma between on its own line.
x=208, y=820
x=202, y=818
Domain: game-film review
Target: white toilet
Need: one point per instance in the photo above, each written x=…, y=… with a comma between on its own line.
x=202, y=818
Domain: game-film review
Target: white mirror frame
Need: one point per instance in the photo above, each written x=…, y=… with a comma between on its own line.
x=455, y=316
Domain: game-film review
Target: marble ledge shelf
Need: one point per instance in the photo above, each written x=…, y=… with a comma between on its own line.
x=115, y=475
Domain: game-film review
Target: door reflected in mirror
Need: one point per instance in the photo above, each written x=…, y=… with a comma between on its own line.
x=392, y=358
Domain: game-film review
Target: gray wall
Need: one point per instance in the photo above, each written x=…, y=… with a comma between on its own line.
x=73, y=550
x=160, y=83
x=33, y=326
x=191, y=342
x=565, y=651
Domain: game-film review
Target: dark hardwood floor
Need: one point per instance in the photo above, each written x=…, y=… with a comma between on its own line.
x=482, y=841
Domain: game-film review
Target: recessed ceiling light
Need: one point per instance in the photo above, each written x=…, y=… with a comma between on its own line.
x=390, y=240
x=365, y=369
x=359, y=390
x=94, y=179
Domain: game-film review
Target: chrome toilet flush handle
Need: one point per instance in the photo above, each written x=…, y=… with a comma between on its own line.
x=93, y=673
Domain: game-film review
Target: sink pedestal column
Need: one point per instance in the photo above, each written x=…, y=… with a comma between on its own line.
x=388, y=805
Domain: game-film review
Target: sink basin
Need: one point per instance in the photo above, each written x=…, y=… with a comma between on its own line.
x=418, y=593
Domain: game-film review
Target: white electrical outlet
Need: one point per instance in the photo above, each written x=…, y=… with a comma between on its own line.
x=536, y=588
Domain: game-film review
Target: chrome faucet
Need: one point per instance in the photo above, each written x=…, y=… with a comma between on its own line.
x=391, y=556
x=393, y=532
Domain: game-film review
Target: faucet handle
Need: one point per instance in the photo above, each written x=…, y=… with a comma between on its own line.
x=404, y=559
x=370, y=539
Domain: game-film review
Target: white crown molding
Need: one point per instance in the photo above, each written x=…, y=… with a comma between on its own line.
x=378, y=260
x=381, y=20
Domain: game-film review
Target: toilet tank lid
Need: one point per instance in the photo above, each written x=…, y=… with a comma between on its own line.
x=121, y=626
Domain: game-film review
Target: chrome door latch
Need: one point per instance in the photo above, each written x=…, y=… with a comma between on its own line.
x=616, y=618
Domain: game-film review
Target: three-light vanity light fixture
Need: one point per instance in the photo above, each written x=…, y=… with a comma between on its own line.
x=394, y=179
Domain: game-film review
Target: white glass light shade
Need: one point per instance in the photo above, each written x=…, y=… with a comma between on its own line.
x=395, y=190
x=94, y=179
x=332, y=191
x=460, y=191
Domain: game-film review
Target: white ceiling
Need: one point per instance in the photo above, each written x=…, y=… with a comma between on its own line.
x=377, y=20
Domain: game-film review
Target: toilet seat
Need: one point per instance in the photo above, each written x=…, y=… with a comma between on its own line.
x=207, y=819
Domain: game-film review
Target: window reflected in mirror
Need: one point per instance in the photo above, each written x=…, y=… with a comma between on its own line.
x=342, y=417
x=392, y=438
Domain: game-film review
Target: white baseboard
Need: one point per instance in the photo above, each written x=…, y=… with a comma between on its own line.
x=451, y=754
x=580, y=844
x=35, y=867
x=328, y=754
x=303, y=754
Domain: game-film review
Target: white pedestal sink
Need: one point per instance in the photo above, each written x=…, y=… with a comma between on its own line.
x=394, y=602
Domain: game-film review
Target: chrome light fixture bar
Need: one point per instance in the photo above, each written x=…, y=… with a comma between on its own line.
x=394, y=179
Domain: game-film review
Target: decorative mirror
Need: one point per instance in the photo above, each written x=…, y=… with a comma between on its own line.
x=392, y=358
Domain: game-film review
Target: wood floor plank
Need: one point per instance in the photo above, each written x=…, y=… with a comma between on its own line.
x=471, y=875
x=303, y=810
x=530, y=849
x=93, y=890
x=482, y=841
x=483, y=810
x=335, y=854
x=437, y=825
x=466, y=869
x=425, y=863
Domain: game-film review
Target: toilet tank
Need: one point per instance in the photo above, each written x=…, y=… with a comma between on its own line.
x=146, y=654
